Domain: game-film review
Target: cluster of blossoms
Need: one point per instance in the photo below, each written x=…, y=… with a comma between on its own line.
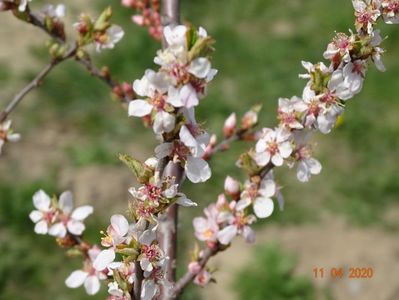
x=323, y=100
x=171, y=94
x=100, y=31
x=6, y=134
x=131, y=253
x=148, y=15
x=57, y=217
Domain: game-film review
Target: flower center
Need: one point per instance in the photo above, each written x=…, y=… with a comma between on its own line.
x=180, y=150
x=364, y=17
x=179, y=72
x=272, y=147
x=158, y=102
x=151, y=252
x=152, y=191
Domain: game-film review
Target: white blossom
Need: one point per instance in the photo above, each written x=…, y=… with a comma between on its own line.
x=112, y=36
x=89, y=277
x=6, y=134
x=70, y=220
x=44, y=214
x=274, y=146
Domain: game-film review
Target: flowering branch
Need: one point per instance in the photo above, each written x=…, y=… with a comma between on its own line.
x=56, y=31
x=139, y=257
x=167, y=232
x=322, y=102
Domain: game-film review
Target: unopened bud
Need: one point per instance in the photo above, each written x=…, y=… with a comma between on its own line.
x=118, y=91
x=105, y=72
x=249, y=120
x=152, y=162
x=194, y=267
x=138, y=19
x=127, y=3
x=221, y=202
x=232, y=187
x=54, y=49
x=230, y=125
x=128, y=89
x=213, y=140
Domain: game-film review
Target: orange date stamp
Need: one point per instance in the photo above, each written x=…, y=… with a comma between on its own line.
x=343, y=273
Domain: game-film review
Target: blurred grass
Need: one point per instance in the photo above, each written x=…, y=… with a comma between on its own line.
x=274, y=269
x=258, y=51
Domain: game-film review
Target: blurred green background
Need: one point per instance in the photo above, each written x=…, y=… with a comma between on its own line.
x=346, y=217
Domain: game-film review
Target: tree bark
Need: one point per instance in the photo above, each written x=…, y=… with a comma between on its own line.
x=167, y=230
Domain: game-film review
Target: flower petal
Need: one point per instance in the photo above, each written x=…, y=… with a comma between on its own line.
x=189, y=96
x=197, y=169
x=41, y=201
x=227, y=234
x=314, y=165
x=82, y=212
x=184, y=201
x=248, y=234
x=104, y=259
x=139, y=108
x=75, y=227
x=66, y=202
x=41, y=227
x=263, y=207
x=163, y=122
x=200, y=67
x=92, y=285
x=35, y=216
x=57, y=230
x=120, y=224
x=277, y=160
x=163, y=150
x=243, y=203
x=149, y=290
x=76, y=279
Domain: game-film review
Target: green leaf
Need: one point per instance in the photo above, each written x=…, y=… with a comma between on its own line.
x=142, y=172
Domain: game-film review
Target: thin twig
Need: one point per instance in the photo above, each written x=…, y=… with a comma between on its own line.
x=37, y=21
x=207, y=253
x=34, y=83
x=224, y=145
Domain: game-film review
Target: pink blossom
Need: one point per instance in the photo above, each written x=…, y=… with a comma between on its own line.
x=203, y=278
x=89, y=277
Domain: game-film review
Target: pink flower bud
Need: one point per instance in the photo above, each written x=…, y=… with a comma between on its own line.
x=249, y=120
x=230, y=125
x=202, y=278
x=127, y=3
x=231, y=186
x=213, y=140
x=151, y=162
x=209, y=148
x=138, y=19
x=194, y=267
x=221, y=202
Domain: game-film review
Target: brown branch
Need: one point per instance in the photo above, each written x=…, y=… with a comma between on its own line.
x=37, y=21
x=34, y=83
x=189, y=277
x=225, y=144
x=208, y=252
x=104, y=77
x=167, y=228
